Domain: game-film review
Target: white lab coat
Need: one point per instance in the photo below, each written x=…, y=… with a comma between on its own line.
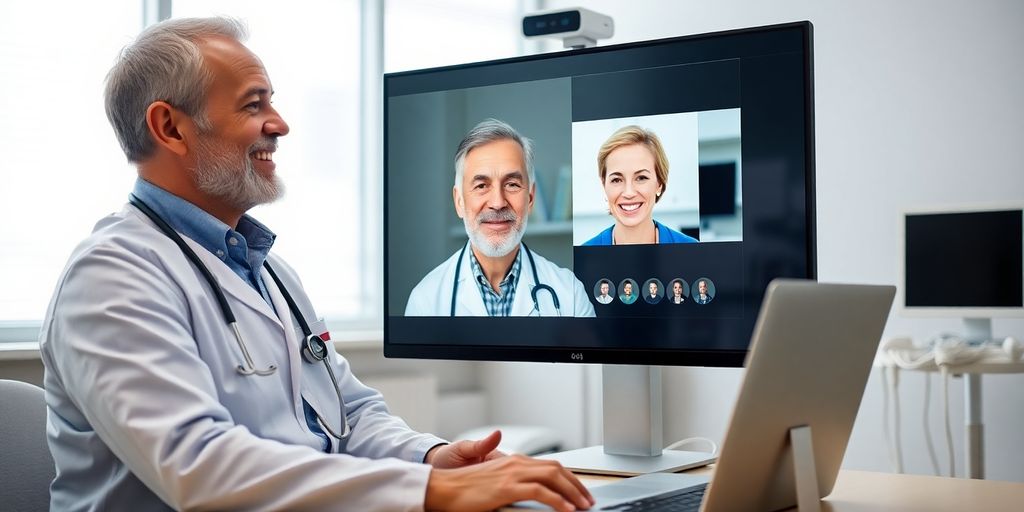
x=433, y=295
x=146, y=410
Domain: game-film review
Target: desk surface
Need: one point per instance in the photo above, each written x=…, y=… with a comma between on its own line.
x=863, y=491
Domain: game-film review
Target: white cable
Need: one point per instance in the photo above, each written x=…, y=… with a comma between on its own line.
x=889, y=448
x=924, y=420
x=945, y=412
x=897, y=431
x=689, y=440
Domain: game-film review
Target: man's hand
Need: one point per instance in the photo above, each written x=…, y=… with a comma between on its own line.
x=465, y=453
x=504, y=480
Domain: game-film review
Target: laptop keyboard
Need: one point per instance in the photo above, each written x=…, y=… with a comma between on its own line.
x=675, y=501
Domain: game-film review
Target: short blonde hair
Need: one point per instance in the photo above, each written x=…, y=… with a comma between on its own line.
x=627, y=136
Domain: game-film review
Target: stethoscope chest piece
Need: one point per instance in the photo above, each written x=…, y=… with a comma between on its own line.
x=314, y=349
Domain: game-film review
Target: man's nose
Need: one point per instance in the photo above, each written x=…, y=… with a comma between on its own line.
x=276, y=126
x=496, y=198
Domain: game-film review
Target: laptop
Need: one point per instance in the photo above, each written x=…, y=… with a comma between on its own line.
x=810, y=357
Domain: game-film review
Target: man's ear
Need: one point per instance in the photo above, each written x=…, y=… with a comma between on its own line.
x=166, y=126
x=460, y=208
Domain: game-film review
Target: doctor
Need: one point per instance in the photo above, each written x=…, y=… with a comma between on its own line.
x=495, y=274
x=154, y=399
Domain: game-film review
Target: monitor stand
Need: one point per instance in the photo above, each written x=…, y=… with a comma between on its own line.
x=632, y=429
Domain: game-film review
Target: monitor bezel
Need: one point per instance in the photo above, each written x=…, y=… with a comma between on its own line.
x=948, y=311
x=597, y=355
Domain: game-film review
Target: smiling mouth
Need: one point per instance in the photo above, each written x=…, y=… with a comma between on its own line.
x=630, y=207
x=497, y=225
x=266, y=156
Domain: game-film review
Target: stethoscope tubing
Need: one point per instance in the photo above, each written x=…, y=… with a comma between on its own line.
x=537, y=287
x=313, y=346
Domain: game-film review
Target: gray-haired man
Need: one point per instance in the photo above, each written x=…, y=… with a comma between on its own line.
x=148, y=406
x=495, y=274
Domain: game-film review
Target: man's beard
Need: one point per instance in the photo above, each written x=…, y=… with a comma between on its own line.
x=499, y=248
x=231, y=177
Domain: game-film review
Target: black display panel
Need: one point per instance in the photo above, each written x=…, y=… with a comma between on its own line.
x=964, y=259
x=743, y=96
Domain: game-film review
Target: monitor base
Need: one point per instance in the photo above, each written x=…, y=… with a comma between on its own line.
x=594, y=460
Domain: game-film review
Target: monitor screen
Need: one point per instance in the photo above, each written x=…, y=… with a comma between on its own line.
x=964, y=259
x=550, y=207
x=717, y=185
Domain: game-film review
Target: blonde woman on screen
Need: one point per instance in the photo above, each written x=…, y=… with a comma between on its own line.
x=633, y=170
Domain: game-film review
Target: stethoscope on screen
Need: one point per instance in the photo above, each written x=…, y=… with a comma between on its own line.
x=314, y=348
x=533, y=292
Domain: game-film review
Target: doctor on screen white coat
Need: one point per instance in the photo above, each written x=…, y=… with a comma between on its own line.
x=168, y=413
x=433, y=295
x=493, y=194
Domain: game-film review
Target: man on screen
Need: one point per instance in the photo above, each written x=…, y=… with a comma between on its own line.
x=653, y=296
x=604, y=297
x=495, y=274
x=703, y=295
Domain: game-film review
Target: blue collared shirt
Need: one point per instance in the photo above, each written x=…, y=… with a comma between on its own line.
x=243, y=249
x=498, y=303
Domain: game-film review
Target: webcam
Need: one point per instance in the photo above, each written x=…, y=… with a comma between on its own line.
x=576, y=27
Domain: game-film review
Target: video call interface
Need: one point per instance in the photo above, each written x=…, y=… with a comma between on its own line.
x=668, y=187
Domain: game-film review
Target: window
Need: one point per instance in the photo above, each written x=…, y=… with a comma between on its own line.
x=61, y=155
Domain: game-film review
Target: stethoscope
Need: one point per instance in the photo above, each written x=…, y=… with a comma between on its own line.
x=537, y=287
x=314, y=348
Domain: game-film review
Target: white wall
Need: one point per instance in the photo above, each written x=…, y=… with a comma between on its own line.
x=916, y=102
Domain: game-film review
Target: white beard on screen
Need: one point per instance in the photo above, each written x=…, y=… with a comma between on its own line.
x=498, y=248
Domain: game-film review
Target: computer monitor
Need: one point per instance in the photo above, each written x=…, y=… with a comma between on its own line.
x=964, y=262
x=604, y=274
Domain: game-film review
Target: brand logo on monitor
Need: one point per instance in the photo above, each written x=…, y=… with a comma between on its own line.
x=576, y=356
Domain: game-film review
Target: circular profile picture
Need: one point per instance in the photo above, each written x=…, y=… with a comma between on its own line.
x=654, y=291
x=703, y=290
x=628, y=291
x=604, y=291
x=677, y=292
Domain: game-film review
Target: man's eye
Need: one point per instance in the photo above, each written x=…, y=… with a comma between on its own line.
x=254, y=106
x=513, y=185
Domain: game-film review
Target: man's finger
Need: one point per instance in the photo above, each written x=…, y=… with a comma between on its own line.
x=487, y=445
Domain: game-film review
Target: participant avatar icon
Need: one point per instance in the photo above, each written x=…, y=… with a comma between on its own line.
x=604, y=293
x=629, y=292
x=705, y=291
x=653, y=291
x=678, y=291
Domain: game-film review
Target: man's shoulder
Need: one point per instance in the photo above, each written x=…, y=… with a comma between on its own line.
x=546, y=265
x=121, y=233
x=435, y=274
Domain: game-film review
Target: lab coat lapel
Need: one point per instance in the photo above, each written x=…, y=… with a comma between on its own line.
x=522, y=304
x=233, y=285
x=290, y=334
x=469, y=302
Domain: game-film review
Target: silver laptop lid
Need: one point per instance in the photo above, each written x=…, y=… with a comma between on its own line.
x=809, y=361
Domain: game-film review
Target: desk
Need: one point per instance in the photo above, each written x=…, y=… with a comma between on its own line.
x=864, y=491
